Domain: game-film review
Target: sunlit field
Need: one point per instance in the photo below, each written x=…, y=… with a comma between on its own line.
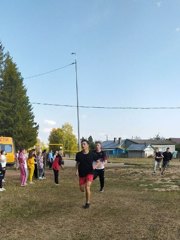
x=134, y=205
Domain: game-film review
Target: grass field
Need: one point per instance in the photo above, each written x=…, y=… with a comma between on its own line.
x=135, y=205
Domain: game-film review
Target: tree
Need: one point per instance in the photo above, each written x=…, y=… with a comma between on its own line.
x=91, y=143
x=65, y=137
x=16, y=116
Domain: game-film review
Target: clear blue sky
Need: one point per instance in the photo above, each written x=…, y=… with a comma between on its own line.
x=128, y=54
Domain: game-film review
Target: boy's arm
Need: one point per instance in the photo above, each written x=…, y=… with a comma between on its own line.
x=77, y=172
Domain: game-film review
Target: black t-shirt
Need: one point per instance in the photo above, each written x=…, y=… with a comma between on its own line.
x=101, y=156
x=157, y=155
x=167, y=156
x=85, y=163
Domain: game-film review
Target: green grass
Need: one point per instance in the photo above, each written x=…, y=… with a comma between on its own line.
x=132, y=207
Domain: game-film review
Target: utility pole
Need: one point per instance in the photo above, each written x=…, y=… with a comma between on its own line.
x=77, y=103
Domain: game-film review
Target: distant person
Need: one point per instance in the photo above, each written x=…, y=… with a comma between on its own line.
x=17, y=161
x=99, y=171
x=23, y=166
x=36, y=173
x=3, y=162
x=158, y=160
x=56, y=166
x=84, y=169
x=44, y=154
x=1, y=178
x=40, y=165
x=31, y=166
x=50, y=159
x=167, y=157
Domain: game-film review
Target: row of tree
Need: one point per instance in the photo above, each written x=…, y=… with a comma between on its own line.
x=16, y=115
x=65, y=138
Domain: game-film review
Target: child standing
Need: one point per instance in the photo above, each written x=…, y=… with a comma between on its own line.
x=3, y=164
x=31, y=166
x=23, y=166
x=40, y=165
x=57, y=164
x=1, y=177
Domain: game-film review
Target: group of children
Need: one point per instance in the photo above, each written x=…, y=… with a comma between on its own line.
x=162, y=160
x=31, y=165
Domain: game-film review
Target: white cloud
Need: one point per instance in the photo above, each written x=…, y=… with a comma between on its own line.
x=178, y=29
x=50, y=122
x=47, y=130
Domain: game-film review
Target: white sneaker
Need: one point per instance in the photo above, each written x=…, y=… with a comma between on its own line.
x=40, y=178
x=3, y=180
x=4, y=189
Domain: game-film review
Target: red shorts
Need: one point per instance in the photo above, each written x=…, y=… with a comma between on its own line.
x=87, y=178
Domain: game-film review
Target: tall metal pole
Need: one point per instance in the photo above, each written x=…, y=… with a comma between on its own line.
x=77, y=105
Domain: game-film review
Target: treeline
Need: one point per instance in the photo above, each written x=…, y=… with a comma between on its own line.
x=65, y=138
x=16, y=115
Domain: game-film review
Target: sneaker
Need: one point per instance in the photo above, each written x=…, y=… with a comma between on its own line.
x=101, y=190
x=1, y=190
x=40, y=178
x=3, y=180
x=87, y=205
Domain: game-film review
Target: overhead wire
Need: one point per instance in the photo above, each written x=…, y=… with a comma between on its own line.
x=105, y=107
x=92, y=107
x=51, y=71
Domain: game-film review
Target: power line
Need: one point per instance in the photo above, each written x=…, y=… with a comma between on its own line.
x=104, y=107
x=51, y=71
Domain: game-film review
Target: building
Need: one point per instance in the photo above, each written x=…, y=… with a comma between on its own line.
x=114, y=147
x=140, y=151
x=162, y=144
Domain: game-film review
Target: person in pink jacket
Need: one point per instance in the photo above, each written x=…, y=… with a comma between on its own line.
x=23, y=166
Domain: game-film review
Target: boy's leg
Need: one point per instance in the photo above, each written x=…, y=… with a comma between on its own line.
x=95, y=174
x=101, y=179
x=155, y=165
x=88, y=192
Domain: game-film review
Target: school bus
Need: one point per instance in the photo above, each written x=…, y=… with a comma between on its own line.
x=7, y=144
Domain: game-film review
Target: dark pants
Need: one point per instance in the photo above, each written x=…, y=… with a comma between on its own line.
x=56, y=176
x=4, y=172
x=99, y=173
x=50, y=165
x=36, y=171
x=0, y=182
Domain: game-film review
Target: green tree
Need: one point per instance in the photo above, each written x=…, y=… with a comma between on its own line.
x=91, y=143
x=17, y=119
x=65, y=137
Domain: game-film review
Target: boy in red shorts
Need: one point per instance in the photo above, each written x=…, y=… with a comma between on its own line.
x=84, y=169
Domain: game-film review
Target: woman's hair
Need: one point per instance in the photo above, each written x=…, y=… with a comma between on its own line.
x=30, y=155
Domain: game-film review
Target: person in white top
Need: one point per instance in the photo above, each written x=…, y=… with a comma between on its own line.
x=1, y=177
x=99, y=171
x=3, y=163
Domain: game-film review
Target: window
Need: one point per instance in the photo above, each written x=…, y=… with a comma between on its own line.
x=6, y=147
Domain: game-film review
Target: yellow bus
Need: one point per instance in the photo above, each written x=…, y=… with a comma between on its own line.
x=7, y=144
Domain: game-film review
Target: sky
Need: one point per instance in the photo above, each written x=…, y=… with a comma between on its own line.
x=128, y=55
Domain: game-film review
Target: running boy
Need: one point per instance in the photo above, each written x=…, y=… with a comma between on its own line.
x=84, y=169
x=99, y=171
